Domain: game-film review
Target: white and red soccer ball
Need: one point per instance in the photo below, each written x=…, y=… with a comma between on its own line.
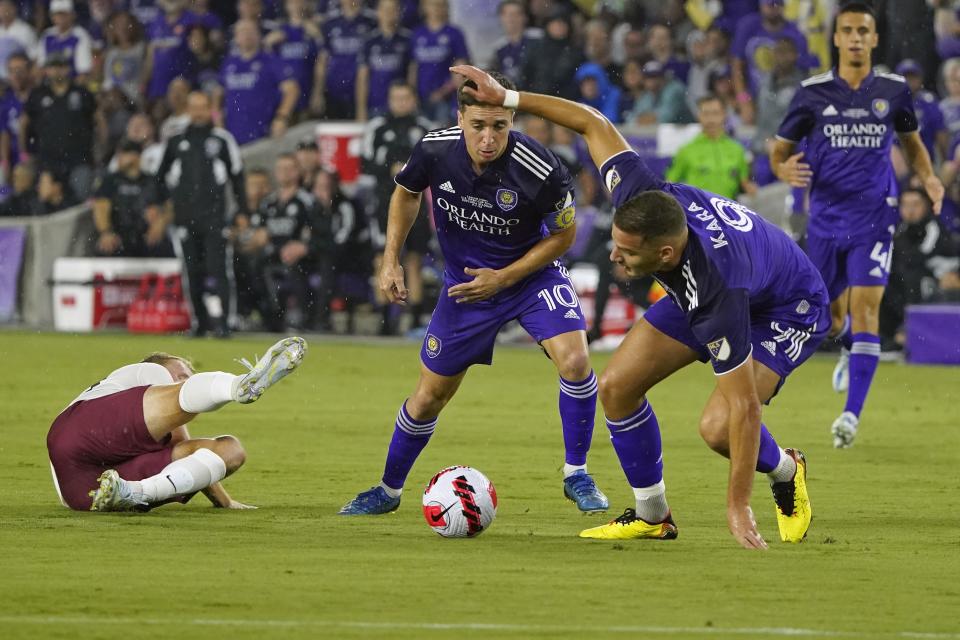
x=459, y=502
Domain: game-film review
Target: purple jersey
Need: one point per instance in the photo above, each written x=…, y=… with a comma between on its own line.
x=343, y=39
x=251, y=94
x=75, y=44
x=145, y=11
x=434, y=52
x=388, y=58
x=298, y=54
x=950, y=108
x=848, y=135
x=170, y=53
x=508, y=58
x=736, y=269
x=10, y=110
x=753, y=44
x=492, y=219
x=929, y=119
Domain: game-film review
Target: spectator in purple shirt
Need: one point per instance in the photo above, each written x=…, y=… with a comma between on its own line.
x=67, y=39
x=753, y=51
x=257, y=98
x=384, y=59
x=933, y=130
x=210, y=21
x=337, y=66
x=950, y=105
x=295, y=42
x=509, y=51
x=167, y=53
x=660, y=47
x=437, y=45
x=19, y=85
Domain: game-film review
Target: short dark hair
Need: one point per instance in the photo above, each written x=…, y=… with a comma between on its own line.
x=858, y=7
x=652, y=214
x=710, y=97
x=505, y=3
x=258, y=171
x=465, y=100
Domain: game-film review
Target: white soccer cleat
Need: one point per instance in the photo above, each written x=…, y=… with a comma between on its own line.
x=113, y=494
x=841, y=372
x=279, y=361
x=844, y=430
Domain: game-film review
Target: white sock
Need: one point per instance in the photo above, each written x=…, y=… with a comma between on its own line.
x=207, y=391
x=197, y=471
x=784, y=470
x=393, y=493
x=652, y=502
x=570, y=469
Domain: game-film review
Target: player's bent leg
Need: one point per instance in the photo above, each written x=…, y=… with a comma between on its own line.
x=646, y=356
x=414, y=425
x=578, y=408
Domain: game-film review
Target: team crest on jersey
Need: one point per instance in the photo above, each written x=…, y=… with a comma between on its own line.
x=506, y=199
x=433, y=345
x=719, y=349
x=880, y=107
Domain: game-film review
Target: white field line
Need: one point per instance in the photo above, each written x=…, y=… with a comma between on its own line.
x=58, y=620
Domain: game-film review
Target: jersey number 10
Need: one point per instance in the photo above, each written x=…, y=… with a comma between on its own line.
x=562, y=294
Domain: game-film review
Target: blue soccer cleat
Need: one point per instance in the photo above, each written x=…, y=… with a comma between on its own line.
x=372, y=502
x=581, y=488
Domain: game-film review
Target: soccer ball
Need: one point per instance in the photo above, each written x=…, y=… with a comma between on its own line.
x=459, y=502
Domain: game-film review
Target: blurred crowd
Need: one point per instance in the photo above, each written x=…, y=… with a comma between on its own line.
x=93, y=91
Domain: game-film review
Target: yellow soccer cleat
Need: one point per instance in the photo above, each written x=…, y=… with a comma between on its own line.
x=630, y=527
x=793, y=503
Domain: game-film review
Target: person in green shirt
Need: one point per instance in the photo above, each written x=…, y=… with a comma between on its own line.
x=713, y=161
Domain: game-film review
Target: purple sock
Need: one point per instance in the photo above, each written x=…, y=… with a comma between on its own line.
x=769, y=455
x=409, y=438
x=636, y=439
x=845, y=337
x=864, y=356
x=578, y=407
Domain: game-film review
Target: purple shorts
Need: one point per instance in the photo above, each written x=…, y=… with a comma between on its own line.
x=779, y=344
x=854, y=262
x=462, y=334
x=92, y=436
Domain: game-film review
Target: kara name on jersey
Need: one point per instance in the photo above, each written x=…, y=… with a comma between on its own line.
x=862, y=135
x=473, y=220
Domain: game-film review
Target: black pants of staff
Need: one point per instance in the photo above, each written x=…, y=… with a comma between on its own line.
x=208, y=270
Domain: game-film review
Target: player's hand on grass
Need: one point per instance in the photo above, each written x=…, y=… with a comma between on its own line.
x=233, y=504
x=934, y=189
x=488, y=90
x=391, y=282
x=486, y=283
x=794, y=172
x=744, y=527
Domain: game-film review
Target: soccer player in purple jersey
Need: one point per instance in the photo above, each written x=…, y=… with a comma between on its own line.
x=848, y=117
x=504, y=212
x=123, y=445
x=741, y=294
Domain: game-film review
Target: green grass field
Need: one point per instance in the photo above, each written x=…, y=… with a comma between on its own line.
x=881, y=560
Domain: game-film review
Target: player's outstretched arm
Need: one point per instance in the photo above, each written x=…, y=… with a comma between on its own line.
x=404, y=207
x=739, y=389
x=918, y=158
x=602, y=137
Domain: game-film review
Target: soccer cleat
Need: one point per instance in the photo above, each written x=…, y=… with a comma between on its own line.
x=372, y=502
x=844, y=430
x=277, y=363
x=580, y=488
x=630, y=527
x=113, y=494
x=793, y=503
x=841, y=372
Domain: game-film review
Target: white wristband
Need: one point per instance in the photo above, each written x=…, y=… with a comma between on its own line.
x=512, y=99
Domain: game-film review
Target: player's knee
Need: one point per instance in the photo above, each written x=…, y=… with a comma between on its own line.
x=615, y=393
x=713, y=430
x=574, y=366
x=232, y=452
x=427, y=403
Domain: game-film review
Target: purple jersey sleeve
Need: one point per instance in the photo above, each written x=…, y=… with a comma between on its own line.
x=555, y=201
x=722, y=324
x=627, y=175
x=799, y=120
x=415, y=175
x=904, y=116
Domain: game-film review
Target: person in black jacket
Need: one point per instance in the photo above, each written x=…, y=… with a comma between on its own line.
x=550, y=64
x=193, y=176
